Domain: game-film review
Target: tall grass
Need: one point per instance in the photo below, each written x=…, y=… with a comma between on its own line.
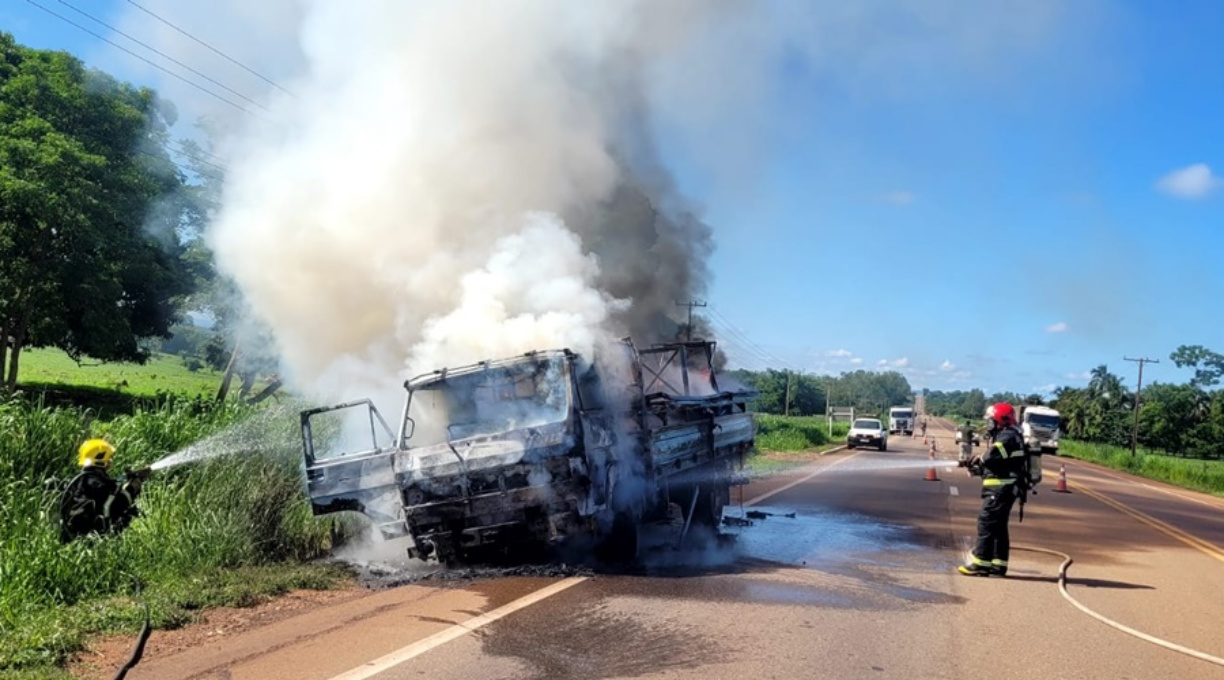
x=795, y=433
x=1200, y=475
x=207, y=531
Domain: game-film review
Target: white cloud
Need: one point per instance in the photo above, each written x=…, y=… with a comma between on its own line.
x=839, y=353
x=857, y=361
x=947, y=366
x=1045, y=389
x=901, y=363
x=896, y=197
x=1079, y=376
x=1192, y=181
x=1060, y=327
x=882, y=362
x=962, y=375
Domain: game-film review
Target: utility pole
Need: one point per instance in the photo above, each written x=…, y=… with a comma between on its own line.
x=786, y=401
x=690, y=304
x=1138, y=391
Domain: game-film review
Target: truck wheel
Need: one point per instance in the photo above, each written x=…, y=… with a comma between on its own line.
x=709, y=508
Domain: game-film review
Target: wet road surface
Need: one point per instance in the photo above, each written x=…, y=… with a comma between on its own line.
x=858, y=583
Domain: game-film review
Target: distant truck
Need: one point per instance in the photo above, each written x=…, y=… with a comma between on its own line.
x=1041, y=426
x=543, y=449
x=901, y=419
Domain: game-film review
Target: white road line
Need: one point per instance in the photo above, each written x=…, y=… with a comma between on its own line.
x=953, y=491
x=799, y=481
x=399, y=656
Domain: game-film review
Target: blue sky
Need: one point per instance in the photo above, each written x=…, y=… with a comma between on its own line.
x=998, y=213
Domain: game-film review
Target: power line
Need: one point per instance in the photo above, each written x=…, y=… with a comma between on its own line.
x=744, y=337
x=147, y=61
x=210, y=47
x=162, y=54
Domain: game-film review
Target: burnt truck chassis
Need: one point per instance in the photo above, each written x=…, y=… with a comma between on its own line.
x=666, y=456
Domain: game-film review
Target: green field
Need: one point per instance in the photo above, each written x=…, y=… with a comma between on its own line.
x=796, y=433
x=1200, y=475
x=786, y=442
x=162, y=374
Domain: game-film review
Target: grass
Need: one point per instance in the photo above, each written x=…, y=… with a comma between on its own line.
x=1200, y=475
x=229, y=530
x=796, y=433
x=786, y=442
x=162, y=374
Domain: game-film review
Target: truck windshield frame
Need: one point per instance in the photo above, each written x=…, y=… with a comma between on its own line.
x=490, y=399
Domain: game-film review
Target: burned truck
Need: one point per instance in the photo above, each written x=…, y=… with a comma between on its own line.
x=549, y=448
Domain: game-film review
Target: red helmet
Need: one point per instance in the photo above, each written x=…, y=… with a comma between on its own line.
x=1003, y=414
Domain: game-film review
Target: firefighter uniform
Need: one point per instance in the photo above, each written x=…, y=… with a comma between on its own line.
x=1004, y=478
x=94, y=502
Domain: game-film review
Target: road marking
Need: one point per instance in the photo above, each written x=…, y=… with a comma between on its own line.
x=399, y=656
x=1163, y=527
x=797, y=482
x=953, y=491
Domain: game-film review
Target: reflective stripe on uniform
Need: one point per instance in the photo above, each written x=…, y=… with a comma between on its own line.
x=998, y=563
x=980, y=562
x=995, y=481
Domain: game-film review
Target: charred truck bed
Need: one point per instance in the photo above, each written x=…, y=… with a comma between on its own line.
x=536, y=450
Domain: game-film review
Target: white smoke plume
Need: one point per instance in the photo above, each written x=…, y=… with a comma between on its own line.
x=451, y=181
x=403, y=211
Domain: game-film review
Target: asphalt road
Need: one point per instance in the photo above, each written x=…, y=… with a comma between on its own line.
x=860, y=583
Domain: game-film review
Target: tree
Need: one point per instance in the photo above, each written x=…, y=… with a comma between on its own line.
x=89, y=263
x=1208, y=365
x=974, y=404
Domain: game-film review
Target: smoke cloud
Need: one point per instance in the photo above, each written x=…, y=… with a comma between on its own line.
x=451, y=183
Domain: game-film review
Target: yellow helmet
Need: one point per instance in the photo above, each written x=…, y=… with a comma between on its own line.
x=95, y=452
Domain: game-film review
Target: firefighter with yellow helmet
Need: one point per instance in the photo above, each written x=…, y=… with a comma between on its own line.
x=93, y=501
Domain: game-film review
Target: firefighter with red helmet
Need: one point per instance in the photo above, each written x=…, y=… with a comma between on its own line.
x=1004, y=470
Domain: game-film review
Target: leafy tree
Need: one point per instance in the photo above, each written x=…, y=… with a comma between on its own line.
x=1169, y=415
x=89, y=252
x=1208, y=366
x=974, y=404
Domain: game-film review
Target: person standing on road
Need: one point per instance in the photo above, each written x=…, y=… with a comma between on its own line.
x=966, y=442
x=1004, y=471
x=924, y=422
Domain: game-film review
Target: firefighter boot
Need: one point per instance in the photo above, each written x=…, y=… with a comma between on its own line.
x=998, y=567
x=976, y=567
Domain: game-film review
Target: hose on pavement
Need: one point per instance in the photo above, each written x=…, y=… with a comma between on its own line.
x=1062, y=587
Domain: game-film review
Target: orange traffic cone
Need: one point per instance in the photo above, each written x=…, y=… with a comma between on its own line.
x=930, y=475
x=1061, y=487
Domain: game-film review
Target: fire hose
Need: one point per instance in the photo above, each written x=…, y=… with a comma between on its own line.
x=1062, y=588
